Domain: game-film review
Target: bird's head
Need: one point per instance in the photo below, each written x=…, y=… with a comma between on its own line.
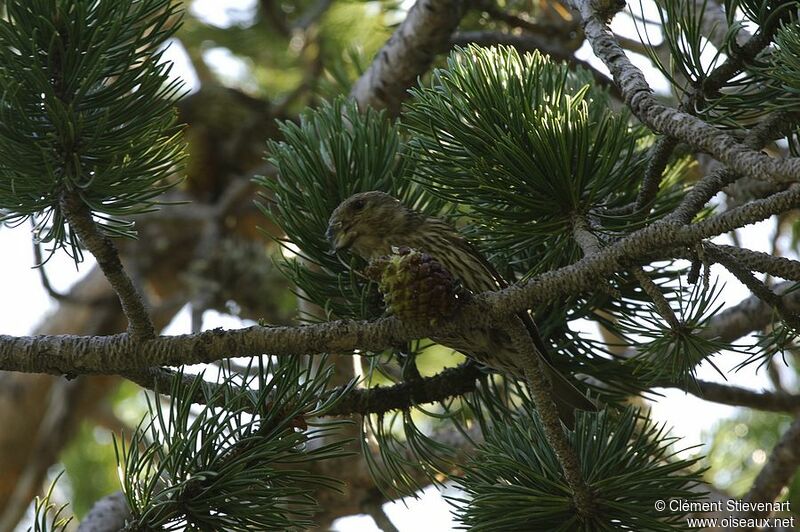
x=365, y=223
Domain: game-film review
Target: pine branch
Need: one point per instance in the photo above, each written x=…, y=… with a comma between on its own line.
x=583, y=236
x=583, y=275
x=750, y=315
x=511, y=19
x=657, y=161
x=408, y=54
x=758, y=288
x=736, y=396
x=662, y=150
x=661, y=304
x=374, y=508
x=119, y=354
x=79, y=216
x=662, y=118
x=710, y=185
x=761, y=262
x=738, y=59
x=541, y=393
x=450, y=382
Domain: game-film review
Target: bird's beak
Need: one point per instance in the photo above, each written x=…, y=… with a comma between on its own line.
x=338, y=238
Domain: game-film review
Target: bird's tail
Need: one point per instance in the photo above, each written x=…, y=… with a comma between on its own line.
x=567, y=397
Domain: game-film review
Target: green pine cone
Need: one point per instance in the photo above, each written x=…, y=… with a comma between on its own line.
x=415, y=287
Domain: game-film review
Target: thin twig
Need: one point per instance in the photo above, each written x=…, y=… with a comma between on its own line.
x=661, y=304
x=656, y=163
x=590, y=245
x=727, y=394
x=450, y=382
x=105, y=252
x=758, y=261
x=373, y=506
x=755, y=286
x=517, y=21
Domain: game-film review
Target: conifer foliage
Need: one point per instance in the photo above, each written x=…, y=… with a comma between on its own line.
x=596, y=205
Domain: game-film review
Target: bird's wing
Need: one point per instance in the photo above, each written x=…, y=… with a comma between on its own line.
x=526, y=318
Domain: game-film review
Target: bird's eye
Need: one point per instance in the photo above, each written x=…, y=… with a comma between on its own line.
x=358, y=205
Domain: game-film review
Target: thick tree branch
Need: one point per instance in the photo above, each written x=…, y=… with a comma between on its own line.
x=122, y=353
x=750, y=315
x=408, y=54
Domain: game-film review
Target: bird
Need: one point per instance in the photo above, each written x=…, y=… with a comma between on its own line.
x=373, y=224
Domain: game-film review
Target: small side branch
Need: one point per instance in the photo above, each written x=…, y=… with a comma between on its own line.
x=662, y=305
x=758, y=261
x=450, y=382
x=657, y=161
x=540, y=390
x=726, y=394
x=105, y=252
x=759, y=289
x=639, y=96
x=710, y=185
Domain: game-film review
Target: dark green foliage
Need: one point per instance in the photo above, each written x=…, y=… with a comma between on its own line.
x=664, y=354
x=528, y=150
x=514, y=481
x=334, y=152
x=524, y=146
x=237, y=465
x=86, y=108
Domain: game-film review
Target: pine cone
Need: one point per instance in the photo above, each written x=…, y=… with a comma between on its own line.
x=416, y=288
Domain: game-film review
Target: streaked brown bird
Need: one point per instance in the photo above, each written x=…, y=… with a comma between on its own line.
x=370, y=224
